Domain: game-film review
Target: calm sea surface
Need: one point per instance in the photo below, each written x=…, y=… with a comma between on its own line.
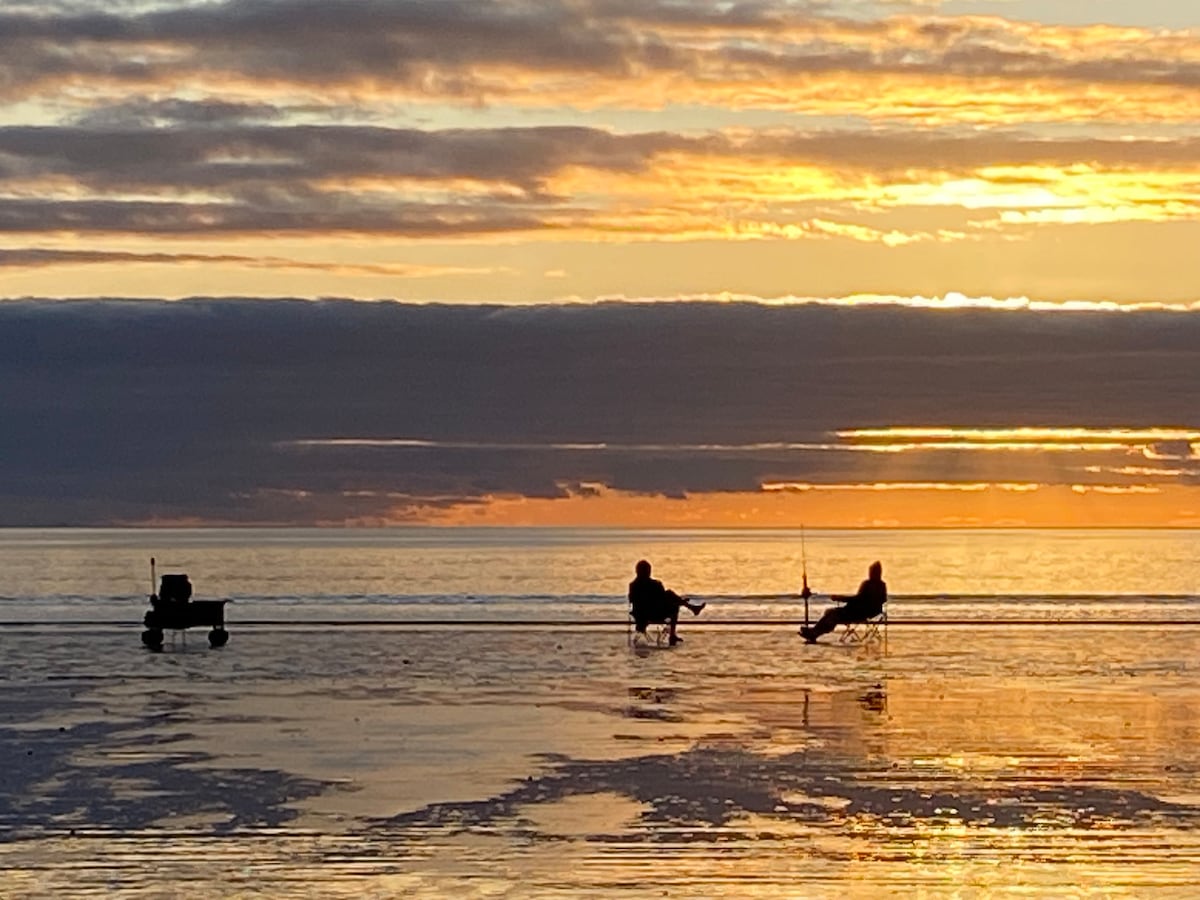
x=406, y=574
x=339, y=748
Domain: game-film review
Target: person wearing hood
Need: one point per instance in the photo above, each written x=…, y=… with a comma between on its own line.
x=866, y=604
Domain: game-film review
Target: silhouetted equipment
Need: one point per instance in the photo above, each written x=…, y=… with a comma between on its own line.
x=173, y=607
x=657, y=633
x=805, y=592
x=175, y=589
x=867, y=631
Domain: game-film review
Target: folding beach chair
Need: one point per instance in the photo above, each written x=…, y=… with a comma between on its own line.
x=658, y=634
x=869, y=631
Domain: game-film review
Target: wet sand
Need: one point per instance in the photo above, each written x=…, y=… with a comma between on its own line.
x=477, y=762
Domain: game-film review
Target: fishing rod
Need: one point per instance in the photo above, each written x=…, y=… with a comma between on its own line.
x=805, y=593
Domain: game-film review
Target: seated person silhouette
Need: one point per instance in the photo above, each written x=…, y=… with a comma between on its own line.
x=651, y=603
x=866, y=604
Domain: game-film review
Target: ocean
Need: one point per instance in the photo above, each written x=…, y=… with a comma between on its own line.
x=351, y=576
x=429, y=713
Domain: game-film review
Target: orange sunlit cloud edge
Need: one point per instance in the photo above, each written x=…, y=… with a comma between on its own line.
x=1151, y=443
x=592, y=184
x=783, y=57
x=913, y=506
x=1164, y=501
x=988, y=506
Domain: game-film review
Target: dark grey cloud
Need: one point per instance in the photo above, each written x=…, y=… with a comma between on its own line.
x=190, y=157
x=244, y=177
x=280, y=212
x=128, y=410
x=204, y=158
x=437, y=47
x=275, y=178
x=146, y=112
x=317, y=42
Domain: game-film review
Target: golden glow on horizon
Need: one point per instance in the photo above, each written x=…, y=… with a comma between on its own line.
x=992, y=495
x=1117, y=437
x=861, y=440
x=993, y=507
x=963, y=486
x=747, y=196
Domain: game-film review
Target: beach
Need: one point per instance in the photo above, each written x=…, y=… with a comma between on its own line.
x=482, y=759
x=485, y=762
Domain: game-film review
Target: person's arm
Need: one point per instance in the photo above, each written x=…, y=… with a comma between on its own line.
x=846, y=598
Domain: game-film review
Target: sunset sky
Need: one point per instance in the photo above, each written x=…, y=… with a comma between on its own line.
x=649, y=262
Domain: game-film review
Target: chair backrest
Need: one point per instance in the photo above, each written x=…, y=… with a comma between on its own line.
x=175, y=589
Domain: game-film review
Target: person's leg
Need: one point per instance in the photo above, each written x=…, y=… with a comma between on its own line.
x=828, y=621
x=672, y=621
x=676, y=601
x=670, y=613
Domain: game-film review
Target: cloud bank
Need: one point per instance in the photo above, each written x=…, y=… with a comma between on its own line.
x=299, y=411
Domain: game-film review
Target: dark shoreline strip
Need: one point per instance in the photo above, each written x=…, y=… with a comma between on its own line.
x=517, y=624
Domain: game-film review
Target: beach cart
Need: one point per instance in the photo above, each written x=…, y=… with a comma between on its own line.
x=172, y=607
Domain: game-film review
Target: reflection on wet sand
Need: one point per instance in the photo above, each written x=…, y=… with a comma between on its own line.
x=408, y=763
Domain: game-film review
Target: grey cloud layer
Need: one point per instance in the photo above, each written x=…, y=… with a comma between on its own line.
x=247, y=178
x=130, y=410
x=437, y=47
x=208, y=158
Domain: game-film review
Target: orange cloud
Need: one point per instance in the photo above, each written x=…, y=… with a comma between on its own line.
x=915, y=507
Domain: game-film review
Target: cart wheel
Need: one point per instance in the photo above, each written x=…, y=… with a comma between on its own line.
x=218, y=637
x=153, y=638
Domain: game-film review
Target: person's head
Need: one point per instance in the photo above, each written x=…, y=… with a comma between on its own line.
x=642, y=569
x=876, y=570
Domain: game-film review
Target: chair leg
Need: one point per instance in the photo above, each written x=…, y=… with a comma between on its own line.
x=656, y=633
x=866, y=632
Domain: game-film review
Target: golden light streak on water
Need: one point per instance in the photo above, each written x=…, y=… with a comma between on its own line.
x=551, y=762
